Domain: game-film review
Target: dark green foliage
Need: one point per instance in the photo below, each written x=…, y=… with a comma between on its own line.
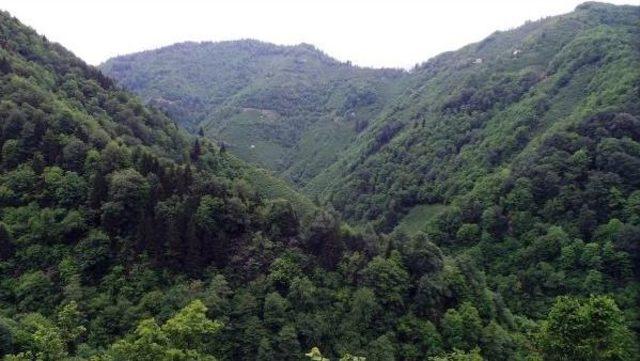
x=462, y=327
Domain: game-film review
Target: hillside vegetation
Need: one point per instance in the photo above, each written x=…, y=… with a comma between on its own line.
x=290, y=109
x=464, y=120
x=495, y=207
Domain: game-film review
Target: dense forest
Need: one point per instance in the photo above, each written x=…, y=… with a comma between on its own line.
x=484, y=206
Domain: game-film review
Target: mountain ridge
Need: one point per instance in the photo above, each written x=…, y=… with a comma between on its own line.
x=521, y=54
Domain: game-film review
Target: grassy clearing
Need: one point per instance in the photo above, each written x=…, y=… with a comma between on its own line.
x=418, y=216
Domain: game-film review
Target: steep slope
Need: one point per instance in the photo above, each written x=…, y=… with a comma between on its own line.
x=476, y=111
x=291, y=109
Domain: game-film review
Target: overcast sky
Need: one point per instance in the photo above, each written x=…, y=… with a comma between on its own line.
x=389, y=33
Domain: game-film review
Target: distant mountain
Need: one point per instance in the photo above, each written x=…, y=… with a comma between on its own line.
x=290, y=109
x=376, y=143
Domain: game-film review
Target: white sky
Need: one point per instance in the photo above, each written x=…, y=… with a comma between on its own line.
x=390, y=33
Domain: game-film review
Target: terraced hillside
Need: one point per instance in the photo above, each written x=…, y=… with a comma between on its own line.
x=290, y=109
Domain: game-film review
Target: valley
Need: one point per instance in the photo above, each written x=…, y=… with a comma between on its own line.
x=241, y=200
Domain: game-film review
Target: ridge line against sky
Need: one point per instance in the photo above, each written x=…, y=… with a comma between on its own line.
x=374, y=33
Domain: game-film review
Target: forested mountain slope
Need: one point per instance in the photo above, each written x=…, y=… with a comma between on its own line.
x=290, y=109
x=121, y=238
x=486, y=109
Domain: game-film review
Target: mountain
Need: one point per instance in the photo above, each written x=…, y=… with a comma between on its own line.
x=290, y=109
x=124, y=238
x=488, y=111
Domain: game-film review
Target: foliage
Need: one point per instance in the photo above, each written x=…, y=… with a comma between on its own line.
x=591, y=329
x=180, y=338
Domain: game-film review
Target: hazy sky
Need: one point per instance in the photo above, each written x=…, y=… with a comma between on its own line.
x=391, y=33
